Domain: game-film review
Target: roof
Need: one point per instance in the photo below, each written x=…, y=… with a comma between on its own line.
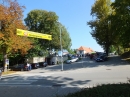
x=89, y=50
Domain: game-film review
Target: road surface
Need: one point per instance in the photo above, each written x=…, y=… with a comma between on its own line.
x=51, y=81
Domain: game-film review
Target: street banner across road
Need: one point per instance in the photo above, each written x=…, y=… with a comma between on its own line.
x=33, y=34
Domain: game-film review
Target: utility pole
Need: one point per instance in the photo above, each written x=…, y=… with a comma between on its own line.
x=61, y=48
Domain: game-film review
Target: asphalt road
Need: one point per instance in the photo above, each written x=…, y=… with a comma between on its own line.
x=51, y=81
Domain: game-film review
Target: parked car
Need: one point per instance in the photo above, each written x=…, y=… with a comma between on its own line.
x=2, y=69
x=19, y=67
x=101, y=58
x=35, y=65
x=1, y=66
x=73, y=59
x=43, y=64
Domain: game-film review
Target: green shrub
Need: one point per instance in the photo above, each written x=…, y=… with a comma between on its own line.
x=126, y=54
x=108, y=90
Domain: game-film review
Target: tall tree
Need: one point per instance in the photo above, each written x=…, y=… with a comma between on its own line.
x=101, y=25
x=46, y=22
x=66, y=40
x=122, y=18
x=10, y=19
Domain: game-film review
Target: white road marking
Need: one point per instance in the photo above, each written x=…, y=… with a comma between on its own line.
x=21, y=80
x=13, y=83
x=37, y=74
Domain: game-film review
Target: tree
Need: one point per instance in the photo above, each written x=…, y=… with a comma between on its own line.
x=66, y=40
x=101, y=27
x=36, y=50
x=10, y=19
x=71, y=51
x=122, y=18
x=46, y=22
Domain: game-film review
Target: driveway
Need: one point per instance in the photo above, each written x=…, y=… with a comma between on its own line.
x=51, y=81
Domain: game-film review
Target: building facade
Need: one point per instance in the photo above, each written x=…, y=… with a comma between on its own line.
x=84, y=50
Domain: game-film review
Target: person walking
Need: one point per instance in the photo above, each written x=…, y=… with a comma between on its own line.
x=28, y=66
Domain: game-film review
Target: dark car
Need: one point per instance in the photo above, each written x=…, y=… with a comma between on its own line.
x=101, y=58
x=43, y=64
x=1, y=66
x=19, y=67
x=35, y=65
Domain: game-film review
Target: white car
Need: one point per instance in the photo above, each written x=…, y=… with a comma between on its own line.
x=72, y=60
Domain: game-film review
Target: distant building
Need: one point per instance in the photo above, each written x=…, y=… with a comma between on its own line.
x=84, y=50
x=65, y=52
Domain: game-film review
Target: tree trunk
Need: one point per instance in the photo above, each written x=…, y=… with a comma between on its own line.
x=107, y=50
x=118, y=50
x=5, y=64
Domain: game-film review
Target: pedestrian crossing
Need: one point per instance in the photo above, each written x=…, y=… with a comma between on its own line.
x=17, y=81
x=24, y=79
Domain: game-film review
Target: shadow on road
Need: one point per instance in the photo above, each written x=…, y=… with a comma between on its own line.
x=88, y=63
x=45, y=81
x=36, y=78
x=84, y=63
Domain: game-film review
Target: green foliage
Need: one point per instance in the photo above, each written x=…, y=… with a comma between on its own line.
x=34, y=52
x=16, y=58
x=101, y=27
x=71, y=51
x=126, y=54
x=46, y=22
x=66, y=40
x=101, y=9
x=112, y=49
x=108, y=90
x=122, y=18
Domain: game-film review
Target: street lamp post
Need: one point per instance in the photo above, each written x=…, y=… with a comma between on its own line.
x=61, y=49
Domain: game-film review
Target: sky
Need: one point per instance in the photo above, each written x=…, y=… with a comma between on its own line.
x=73, y=14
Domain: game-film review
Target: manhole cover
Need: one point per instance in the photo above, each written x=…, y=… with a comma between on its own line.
x=108, y=69
x=56, y=85
x=41, y=72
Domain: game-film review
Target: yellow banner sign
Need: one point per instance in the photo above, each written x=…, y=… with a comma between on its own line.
x=33, y=34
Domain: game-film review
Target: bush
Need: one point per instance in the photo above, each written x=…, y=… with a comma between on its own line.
x=108, y=90
x=126, y=54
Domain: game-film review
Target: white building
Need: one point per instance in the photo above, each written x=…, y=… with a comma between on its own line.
x=84, y=50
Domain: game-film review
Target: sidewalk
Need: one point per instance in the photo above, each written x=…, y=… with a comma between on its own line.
x=13, y=74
